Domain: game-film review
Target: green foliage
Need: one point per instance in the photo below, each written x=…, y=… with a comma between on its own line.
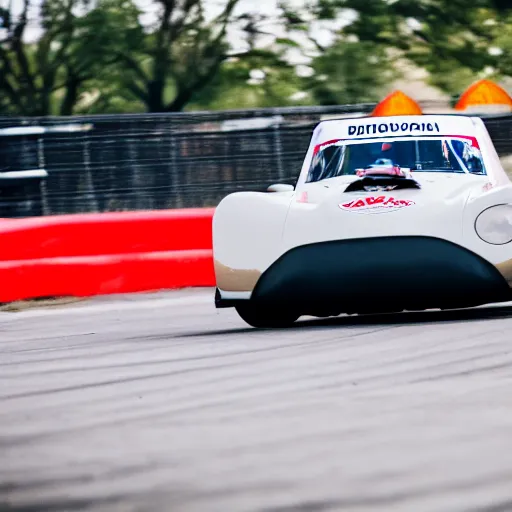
x=96, y=56
x=234, y=88
x=184, y=60
x=452, y=39
x=351, y=72
x=49, y=76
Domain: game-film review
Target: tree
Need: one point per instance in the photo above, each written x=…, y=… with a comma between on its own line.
x=28, y=74
x=344, y=70
x=260, y=80
x=456, y=41
x=110, y=36
x=351, y=72
x=184, y=53
x=48, y=76
x=97, y=56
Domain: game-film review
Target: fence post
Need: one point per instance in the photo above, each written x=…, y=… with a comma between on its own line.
x=89, y=183
x=278, y=147
x=174, y=175
x=20, y=184
x=45, y=207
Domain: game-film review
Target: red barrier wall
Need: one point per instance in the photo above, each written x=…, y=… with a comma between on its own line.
x=95, y=254
x=106, y=233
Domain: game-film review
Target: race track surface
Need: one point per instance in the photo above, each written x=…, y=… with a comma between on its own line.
x=162, y=403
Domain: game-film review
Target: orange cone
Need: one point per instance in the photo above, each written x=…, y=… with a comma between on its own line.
x=397, y=104
x=483, y=93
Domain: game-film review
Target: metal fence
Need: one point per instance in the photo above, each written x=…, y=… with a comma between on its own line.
x=141, y=162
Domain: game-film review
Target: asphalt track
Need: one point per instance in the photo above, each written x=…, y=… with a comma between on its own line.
x=162, y=403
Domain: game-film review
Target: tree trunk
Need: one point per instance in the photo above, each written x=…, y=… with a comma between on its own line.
x=155, y=101
x=180, y=101
x=71, y=97
x=45, y=94
x=186, y=93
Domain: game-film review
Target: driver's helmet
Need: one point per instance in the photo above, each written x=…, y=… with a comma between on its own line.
x=382, y=162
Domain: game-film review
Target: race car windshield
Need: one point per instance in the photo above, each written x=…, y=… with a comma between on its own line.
x=446, y=155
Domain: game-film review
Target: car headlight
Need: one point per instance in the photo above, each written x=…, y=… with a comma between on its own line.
x=494, y=225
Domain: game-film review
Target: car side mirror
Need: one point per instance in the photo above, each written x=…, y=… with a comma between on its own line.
x=280, y=187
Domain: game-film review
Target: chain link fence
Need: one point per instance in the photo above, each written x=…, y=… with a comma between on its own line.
x=146, y=162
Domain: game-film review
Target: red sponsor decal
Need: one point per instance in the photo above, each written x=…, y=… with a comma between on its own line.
x=325, y=145
x=473, y=140
x=374, y=204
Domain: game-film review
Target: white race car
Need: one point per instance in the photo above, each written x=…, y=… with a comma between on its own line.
x=388, y=214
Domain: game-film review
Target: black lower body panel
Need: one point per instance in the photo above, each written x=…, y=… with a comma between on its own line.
x=374, y=275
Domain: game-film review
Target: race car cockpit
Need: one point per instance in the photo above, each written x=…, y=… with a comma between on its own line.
x=454, y=155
